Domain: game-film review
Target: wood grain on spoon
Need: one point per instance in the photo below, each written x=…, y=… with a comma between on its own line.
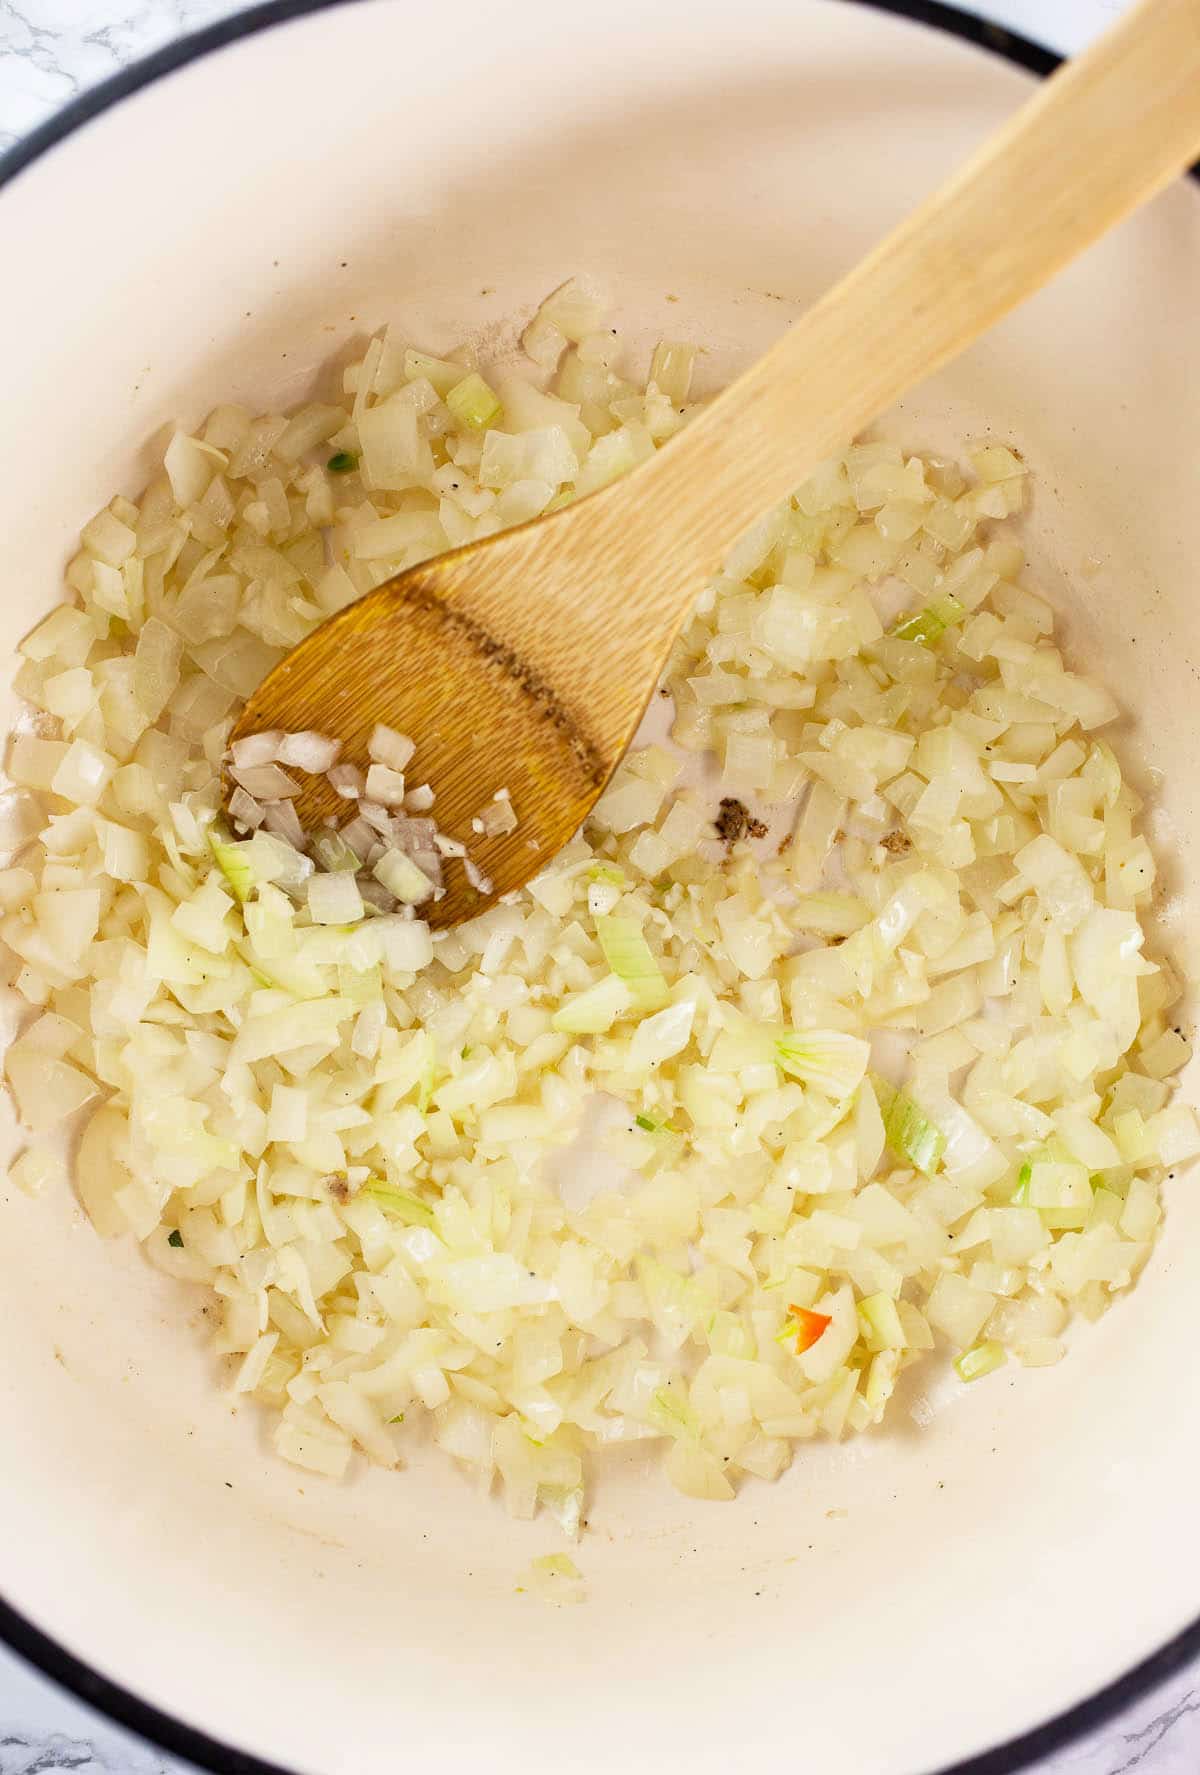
x=526, y=661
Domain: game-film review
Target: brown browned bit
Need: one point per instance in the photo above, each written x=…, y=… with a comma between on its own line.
x=735, y=822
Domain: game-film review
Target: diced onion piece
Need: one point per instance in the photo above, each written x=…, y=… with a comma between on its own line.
x=392, y=447
x=315, y=753
x=983, y=1359
x=190, y=466
x=631, y=959
x=401, y=877
x=881, y=1322
x=235, y=861
x=287, y=1118
x=593, y=1011
x=576, y=308
x=957, y=1308
x=84, y=774
x=497, y=817
x=48, y=1090
x=661, y=1036
x=281, y=818
x=671, y=370
x=931, y=623
x=911, y=1135
x=334, y=899
x=332, y=852
x=473, y=403
x=110, y=540
x=244, y=811
x=385, y=786
x=827, y=1058
x=36, y=1171
x=265, y=782
x=257, y=748
x=347, y=780
x=387, y=747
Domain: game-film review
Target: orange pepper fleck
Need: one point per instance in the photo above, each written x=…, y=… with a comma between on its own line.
x=809, y=1327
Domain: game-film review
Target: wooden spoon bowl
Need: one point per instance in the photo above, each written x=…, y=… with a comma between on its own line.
x=502, y=701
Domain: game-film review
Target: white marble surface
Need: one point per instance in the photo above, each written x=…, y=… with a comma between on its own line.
x=50, y=50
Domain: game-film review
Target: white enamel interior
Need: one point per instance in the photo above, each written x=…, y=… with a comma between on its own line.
x=892, y=1605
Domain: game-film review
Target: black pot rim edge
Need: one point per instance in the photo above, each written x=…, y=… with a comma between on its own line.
x=29, y=1642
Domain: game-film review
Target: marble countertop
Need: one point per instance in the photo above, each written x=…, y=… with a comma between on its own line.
x=50, y=50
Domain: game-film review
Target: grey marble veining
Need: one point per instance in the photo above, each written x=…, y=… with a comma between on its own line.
x=43, y=1730
x=51, y=50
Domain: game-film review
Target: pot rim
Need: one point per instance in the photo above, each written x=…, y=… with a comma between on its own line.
x=17, y=1632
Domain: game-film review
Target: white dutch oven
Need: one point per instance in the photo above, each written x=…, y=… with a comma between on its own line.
x=889, y=1608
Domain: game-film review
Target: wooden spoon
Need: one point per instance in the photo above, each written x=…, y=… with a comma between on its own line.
x=526, y=661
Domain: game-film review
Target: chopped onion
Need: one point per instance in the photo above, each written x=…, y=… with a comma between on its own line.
x=348, y=781
x=605, y=1162
x=235, y=863
x=385, y=786
x=497, y=818
x=313, y=752
x=244, y=811
x=829, y=1059
x=334, y=899
x=984, y=1359
x=473, y=403
x=265, y=782
x=281, y=818
x=387, y=747
x=911, y=1135
x=257, y=748
x=595, y=1010
x=402, y=878
x=631, y=960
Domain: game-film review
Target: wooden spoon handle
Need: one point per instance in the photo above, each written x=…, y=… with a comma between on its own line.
x=1099, y=138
